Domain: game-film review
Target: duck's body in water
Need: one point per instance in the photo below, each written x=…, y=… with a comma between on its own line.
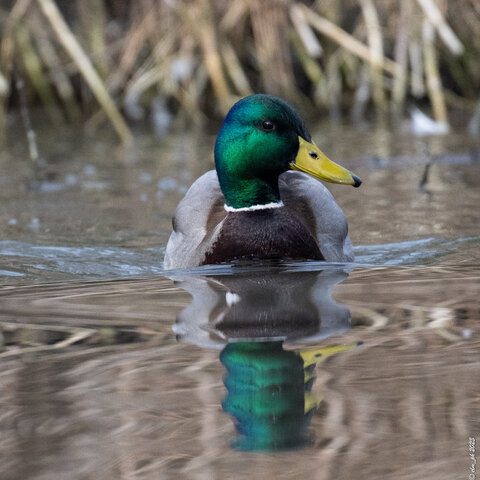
x=253, y=205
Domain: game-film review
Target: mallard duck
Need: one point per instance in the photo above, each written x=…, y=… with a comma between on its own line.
x=261, y=201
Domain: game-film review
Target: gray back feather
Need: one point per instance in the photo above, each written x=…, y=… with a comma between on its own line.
x=316, y=207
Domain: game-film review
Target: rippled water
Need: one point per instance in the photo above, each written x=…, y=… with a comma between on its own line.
x=114, y=368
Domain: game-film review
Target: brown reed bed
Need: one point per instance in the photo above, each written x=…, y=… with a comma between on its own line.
x=190, y=59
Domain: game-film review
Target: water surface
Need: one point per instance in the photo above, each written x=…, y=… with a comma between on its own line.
x=114, y=368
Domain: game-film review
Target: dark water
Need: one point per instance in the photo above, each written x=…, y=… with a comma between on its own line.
x=113, y=368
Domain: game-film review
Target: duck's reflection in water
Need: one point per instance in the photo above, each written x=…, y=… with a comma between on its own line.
x=250, y=315
x=270, y=393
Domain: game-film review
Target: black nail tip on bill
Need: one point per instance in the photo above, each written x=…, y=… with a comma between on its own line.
x=357, y=181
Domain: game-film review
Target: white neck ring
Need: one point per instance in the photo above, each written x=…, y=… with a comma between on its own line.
x=265, y=206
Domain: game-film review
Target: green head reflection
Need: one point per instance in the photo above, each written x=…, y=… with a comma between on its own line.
x=266, y=395
x=270, y=393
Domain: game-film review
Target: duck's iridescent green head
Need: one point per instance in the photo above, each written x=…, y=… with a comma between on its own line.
x=261, y=137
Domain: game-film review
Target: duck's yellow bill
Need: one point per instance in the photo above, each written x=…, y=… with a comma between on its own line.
x=310, y=159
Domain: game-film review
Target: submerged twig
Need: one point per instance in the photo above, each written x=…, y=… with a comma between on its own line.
x=30, y=133
x=474, y=123
x=422, y=186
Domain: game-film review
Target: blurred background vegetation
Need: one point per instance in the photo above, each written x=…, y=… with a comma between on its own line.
x=182, y=62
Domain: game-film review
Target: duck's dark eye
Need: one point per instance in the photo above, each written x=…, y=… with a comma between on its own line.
x=268, y=126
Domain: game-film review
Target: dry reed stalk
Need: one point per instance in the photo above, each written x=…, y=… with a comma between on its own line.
x=215, y=38
x=376, y=52
x=34, y=70
x=59, y=78
x=143, y=82
x=201, y=17
x=154, y=69
x=362, y=96
x=432, y=74
x=188, y=84
x=151, y=64
x=164, y=46
x=311, y=68
x=236, y=15
x=334, y=87
x=346, y=41
x=4, y=87
x=71, y=45
x=93, y=20
x=305, y=33
x=190, y=96
x=134, y=41
x=434, y=15
x=417, y=84
x=4, y=94
x=401, y=56
x=7, y=54
x=7, y=45
x=235, y=70
x=350, y=67
x=272, y=48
